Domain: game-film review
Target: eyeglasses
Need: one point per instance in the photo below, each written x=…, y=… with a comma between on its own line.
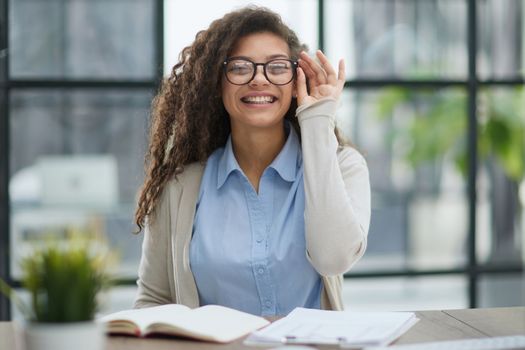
x=240, y=71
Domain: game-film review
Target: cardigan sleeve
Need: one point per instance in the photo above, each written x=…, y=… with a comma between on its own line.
x=153, y=279
x=337, y=193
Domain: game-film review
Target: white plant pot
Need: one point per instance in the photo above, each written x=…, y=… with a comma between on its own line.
x=64, y=336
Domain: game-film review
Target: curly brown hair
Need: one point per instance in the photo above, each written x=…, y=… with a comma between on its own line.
x=188, y=118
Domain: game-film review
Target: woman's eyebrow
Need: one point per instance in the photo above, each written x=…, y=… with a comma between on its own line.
x=271, y=57
x=279, y=55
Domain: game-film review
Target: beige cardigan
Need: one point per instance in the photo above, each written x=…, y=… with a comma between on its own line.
x=337, y=216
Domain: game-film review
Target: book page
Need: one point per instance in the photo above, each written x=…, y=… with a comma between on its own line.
x=211, y=322
x=142, y=318
x=220, y=324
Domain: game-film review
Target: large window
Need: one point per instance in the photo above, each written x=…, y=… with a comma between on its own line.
x=81, y=76
x=434, y=99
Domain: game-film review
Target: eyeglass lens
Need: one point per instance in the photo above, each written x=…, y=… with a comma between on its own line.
x=278, y=72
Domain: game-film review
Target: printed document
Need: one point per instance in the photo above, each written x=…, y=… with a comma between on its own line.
x=344, y=328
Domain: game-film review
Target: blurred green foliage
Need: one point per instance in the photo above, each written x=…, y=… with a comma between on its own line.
x=439, y=126
x=64, y=278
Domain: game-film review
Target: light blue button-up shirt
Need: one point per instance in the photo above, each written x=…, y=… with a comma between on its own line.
x=248, y=249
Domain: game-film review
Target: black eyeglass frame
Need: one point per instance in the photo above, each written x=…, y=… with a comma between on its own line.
x=264, y=65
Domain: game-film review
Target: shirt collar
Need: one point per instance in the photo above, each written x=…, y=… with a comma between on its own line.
x=286, y=164
x=288, y=160
x=227, y=163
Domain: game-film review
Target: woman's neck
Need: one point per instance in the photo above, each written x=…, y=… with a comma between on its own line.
x=255, y=150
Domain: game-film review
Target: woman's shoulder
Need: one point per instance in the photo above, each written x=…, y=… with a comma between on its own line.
x=188, y=181
x=190, y=173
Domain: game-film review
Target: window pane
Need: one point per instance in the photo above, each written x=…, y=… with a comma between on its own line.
x=82, y=39
x=409, y=39
x=502, y=290
x=3, y=47
x=117, y=299
x=180, y=29
x=501, y=183
x=501, y=28
x=414, y=143
x=405, y=294
x=76, y=162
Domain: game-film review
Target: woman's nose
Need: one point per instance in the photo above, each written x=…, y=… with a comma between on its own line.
x=259, y=78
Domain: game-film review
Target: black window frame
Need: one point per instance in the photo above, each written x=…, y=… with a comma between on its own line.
x=7, y=86
x=472, y=270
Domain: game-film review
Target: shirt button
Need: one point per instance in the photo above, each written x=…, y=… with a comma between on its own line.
x=268, y=303
x=261, y=270
x=259, y=239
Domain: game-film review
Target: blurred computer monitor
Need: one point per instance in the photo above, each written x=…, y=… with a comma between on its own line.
x=90, y=180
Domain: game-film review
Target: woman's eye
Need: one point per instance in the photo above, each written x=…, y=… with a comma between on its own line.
x=278, y=68
x=240, y=69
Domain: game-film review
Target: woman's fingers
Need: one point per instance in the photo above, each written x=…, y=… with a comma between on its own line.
x=302, y=92
x=322, y=72
x=341, y=75
x=312, y=77
x=316, y=68
x=322, y=78
x=330, y=72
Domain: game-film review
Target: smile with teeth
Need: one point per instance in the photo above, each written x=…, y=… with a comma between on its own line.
x=258, y=99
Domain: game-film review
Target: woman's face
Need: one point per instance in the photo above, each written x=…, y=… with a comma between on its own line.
x=258, y=104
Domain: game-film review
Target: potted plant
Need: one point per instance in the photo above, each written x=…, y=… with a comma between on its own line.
x=64, y=279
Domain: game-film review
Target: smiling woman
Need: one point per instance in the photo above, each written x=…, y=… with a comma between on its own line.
x=251, y=199
x=257, y=107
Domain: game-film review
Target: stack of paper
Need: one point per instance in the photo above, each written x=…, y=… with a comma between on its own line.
x=344, y=328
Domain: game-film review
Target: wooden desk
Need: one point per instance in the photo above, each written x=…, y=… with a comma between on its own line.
x=433, y=326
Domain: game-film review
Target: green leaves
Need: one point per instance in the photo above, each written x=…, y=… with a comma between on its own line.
x=437, y=129
x=63, y=279
x=439, y=126
x=504, y=132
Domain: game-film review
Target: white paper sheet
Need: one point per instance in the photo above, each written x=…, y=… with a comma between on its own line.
x=345, y=328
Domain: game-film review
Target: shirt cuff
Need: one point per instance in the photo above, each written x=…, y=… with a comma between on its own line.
x=325, y=107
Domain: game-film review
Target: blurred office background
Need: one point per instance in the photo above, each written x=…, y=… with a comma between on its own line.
x=434, y=98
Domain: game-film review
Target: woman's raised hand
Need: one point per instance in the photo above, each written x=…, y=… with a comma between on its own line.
x=322, y=79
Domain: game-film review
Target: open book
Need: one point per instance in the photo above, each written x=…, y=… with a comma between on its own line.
x=344, y=328
x=211, y=322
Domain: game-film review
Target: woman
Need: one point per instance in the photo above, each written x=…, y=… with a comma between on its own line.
x=251, y=200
